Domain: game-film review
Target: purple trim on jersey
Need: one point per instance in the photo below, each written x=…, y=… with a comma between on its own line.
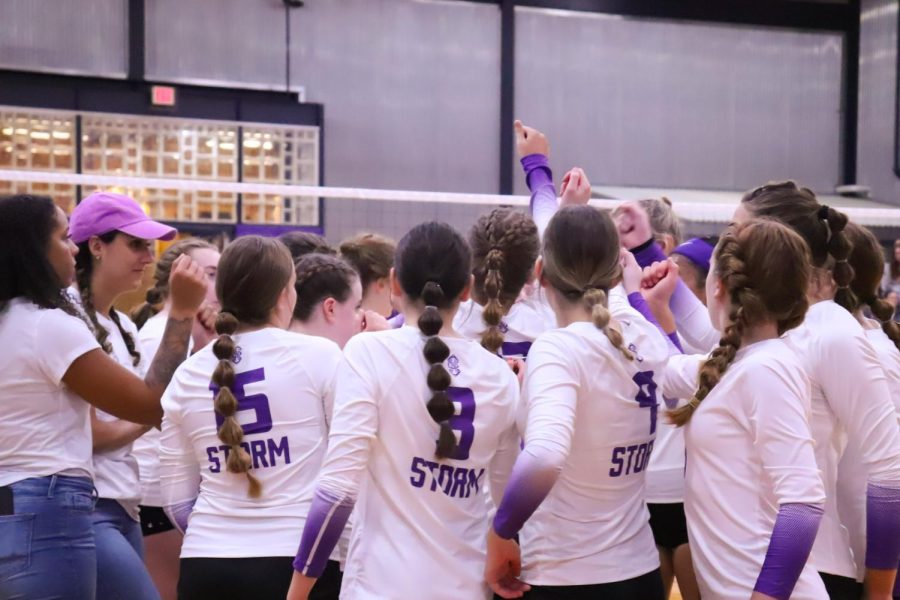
x=882, y=527
x=515, y=349
x=397, y=321
x=696, y=250
x=530, y=482
x=324, y=525
x=180, y=513
x=539, y=178
x=792, y=540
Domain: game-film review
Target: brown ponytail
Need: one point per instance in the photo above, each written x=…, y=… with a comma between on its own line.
x=505, y=245
x=226, y=404
x=596, y=301
x=440, y=407
x=747, y=257
x=867, y=260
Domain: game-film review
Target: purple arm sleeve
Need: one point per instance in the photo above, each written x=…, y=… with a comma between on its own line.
x=539, y=178
x=397, y=321
x=792, y=539
x=530, y=482
x=324, y=525
x=180, y=513
x=637, y=302
x=882, y=527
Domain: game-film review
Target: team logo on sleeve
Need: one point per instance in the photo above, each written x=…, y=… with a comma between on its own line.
x=504, y=328
x=453, y=365
x=238, y=354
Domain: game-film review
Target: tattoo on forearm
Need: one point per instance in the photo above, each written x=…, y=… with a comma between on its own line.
x=172, y=352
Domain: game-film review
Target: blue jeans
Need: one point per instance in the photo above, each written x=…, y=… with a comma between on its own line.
x=47, y=549
x=121, y=573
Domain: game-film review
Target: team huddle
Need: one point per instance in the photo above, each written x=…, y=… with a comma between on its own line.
x=567, y=403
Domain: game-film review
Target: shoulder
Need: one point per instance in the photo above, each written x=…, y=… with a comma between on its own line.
x=775, y=365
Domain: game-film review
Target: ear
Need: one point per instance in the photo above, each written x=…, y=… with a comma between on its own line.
x=382, y=283
x=719, y=291
x=668, y=243
x=96, y=246
x=467, y=291
x=539, y=271
x=394, y=284
x=328, y=307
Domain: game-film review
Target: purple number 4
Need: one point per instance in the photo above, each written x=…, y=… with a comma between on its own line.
x=646, y=396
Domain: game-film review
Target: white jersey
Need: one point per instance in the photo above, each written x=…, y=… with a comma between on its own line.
x=526, y=319
x=749, y=451
x=850, y=399
x=146, y=448
x=851, y=480
x=44, y=429
x=593, y=525
x=116, y=474
x=283, y=386
x=420, y=522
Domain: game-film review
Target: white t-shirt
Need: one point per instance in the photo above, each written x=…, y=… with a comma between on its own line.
x=593, y=525
x=749, y=450
x=284, y=387
x=45, y=429
x=146, y=448
x=116, y=474
x=420, y=522
x=527, y=318
x=850, y=399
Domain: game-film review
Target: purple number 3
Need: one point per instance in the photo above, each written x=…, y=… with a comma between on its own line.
x=464, y=422
x=258, y=403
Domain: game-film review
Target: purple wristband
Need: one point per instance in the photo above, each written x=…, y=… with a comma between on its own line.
x=882, y=527
x=529, y=484
x=792, y=540
x=324, y=525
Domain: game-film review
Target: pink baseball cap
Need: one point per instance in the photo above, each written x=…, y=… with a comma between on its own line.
x=102, y=212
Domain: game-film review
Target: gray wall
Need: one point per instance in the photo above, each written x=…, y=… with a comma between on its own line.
x=87, y=37
x=877, y=95
x=650, y=103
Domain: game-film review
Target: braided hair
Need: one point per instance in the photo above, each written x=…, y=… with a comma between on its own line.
x=320, y=276
x=432, y=265
x=84, y=270
x=505, y=245
x=867, y=261
x=159, y=291
x=748, y=257
x=581, y=262
x=822, y=227
x=252, y=274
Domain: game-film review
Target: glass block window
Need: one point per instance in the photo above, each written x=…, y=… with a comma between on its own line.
x=280, y=155
x=165, y=148
x=38, y=141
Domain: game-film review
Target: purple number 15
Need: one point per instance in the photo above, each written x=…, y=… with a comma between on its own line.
x=258, y=403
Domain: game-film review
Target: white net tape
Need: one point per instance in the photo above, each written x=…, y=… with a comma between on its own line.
x=870, y=214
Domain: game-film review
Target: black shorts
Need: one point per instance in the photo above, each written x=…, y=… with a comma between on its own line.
x=261, y=578
x=668, y=524
x=842, y=588
x=646, y=587
x=154, y=520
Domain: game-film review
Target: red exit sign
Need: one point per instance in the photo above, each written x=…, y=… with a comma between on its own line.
x=162, y=95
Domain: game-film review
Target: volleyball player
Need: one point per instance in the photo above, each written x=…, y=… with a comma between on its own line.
x=372, y=255
x=162, y=541
x=52, y=371
x=301, y=243
x=587, y=399
x=753, y=494
x=329, y=298
x=423, y=420
x=244, y=432
x=851, y=401
x=692, y=258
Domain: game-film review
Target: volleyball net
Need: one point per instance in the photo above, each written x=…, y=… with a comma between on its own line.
x=199, y=204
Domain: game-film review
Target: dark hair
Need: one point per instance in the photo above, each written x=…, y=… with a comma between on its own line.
x=300, y=243
x=581, y=261
x=26, y=224
x=821, y=226
x=320, y=276
x=748, y=258
x=253, y=271
x=433, y=264
x=867, y=261
x=895, y=264
x=505, y=245
x=158, y=293
x=371, y=255
x=84, y=270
